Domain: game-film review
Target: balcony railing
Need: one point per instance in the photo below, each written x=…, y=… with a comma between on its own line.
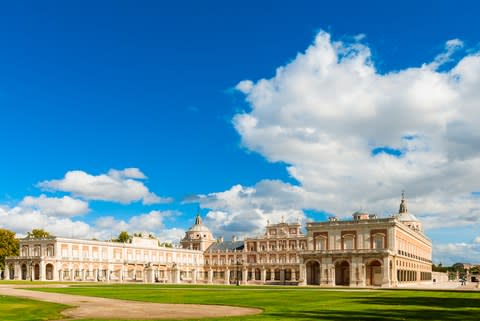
x=345, y=251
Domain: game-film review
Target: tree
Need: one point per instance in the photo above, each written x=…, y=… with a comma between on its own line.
x=165, y=244
x=38, y=233
x=9, y=246
x=123, y=237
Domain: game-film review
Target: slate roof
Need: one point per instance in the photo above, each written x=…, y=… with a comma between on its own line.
x=226, y=246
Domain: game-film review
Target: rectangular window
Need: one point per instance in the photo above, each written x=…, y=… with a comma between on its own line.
x=348, y=243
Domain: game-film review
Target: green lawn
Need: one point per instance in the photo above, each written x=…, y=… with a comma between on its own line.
x=294, y=303
x=18, y=309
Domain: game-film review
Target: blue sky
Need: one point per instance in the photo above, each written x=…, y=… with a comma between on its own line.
x=163, y=88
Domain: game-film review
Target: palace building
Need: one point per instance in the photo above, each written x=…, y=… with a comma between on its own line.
x=363, y=251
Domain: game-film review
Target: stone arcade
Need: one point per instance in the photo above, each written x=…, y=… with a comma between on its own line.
x=363, y=251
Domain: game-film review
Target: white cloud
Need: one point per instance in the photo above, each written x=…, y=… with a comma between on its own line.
x=324, y=113
x=451, y=46
x=55, y=206
x=121, y=186
x=452, y=253
x=22, y=220
x=244, y=211
x=152, y=222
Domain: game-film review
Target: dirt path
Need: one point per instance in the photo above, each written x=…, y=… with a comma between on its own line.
x=101, y=308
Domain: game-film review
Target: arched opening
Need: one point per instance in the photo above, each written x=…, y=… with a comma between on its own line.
x=257, y=275
x=36, y=272
x=374, y=273
x=24, y=271
x=313, y=273
x=277, y=274
x=49, y=271
x=12, y=272
x=342, y=273
x=288, y=275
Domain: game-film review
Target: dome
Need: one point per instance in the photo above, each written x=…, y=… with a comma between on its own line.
x=360, y=212
x=199, y=228
x=407, y=217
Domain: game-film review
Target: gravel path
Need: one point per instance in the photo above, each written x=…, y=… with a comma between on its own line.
x=101, y=308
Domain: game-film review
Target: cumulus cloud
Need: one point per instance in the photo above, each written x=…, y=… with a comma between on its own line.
x=244, y=211
x=152, y=222
x=452, y=253
x=123, y=186
x=22, y=219
x=325, y=113
x=355, y=138
x=56, y=206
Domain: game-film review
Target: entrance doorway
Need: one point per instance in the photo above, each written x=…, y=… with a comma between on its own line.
x=49, y=271
x=342, y=273
x=24, y=271
x=374, y=273
x=36, y=272
x=313, y=273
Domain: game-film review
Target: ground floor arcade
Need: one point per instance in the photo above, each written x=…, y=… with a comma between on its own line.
x=359, y=270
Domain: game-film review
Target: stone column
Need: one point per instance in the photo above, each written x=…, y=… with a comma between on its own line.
x=210, y=276
x=294, y=275
x=177, y=276
x=310, y=245
x=244, y=275
x=42, y=271
x=18, y=272
x=303, y=274
x=323, y=273
x=394, y=280
x=149, y=275
x=6, y=274
x=264, y=275
x=362, y=274
x=331, y=278
x=227, y=276
x=60, y=275
x=194, y=276
x=282, y=275
x=386, y=272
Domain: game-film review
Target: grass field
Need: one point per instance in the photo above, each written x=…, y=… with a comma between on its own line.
x=17, y=309
x=293, y=303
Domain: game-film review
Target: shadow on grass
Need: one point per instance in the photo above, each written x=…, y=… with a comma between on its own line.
x=442, y=303
x=384, y=308
x=390, y=315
